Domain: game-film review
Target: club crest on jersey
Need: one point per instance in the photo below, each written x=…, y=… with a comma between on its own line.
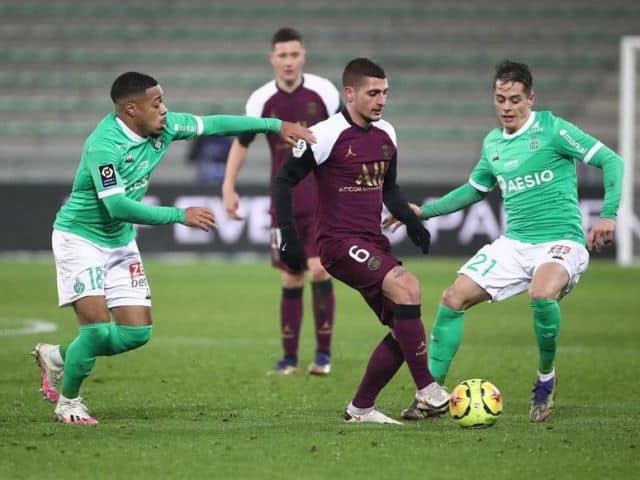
x=158, y=143
x=107, y=175
x=374, y=263
x=129, y=158
x=534, y=144
x=496, y=157
x=299, y=149
x=385, y=151
x=312, y=108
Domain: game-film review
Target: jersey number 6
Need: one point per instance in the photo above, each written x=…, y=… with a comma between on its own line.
x=360, y=255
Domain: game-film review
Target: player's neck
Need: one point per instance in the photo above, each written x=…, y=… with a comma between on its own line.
x=129, y=124
x=289, y=87
x=358, y=119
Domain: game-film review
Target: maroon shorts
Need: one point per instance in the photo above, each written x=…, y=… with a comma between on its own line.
x=362, y=264
x=306, y=228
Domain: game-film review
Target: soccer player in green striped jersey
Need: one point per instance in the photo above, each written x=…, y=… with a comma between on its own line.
x=99, y=269
x=532, y=159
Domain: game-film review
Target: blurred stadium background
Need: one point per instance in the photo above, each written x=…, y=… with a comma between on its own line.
x=58, y=60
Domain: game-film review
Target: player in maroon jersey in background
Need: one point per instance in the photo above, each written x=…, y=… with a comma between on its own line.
x=306, y=99
x=354, y=162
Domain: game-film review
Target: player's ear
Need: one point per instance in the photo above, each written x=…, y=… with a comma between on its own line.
x=349, y=93
x=129, y=108
x=531, y=99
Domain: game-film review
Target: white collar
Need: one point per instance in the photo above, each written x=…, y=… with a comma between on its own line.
x=522, y=129
x=133, y=136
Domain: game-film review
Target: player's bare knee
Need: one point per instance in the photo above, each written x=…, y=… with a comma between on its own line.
x=317, y=273
x=543, y=293
x=292, y=280
x=451, y=299
x=411, y=291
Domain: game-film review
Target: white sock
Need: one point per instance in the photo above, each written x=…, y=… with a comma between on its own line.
x=358, y=411
x=428, y=389
x=63, y=399
x=55, y=357
x=545, y=377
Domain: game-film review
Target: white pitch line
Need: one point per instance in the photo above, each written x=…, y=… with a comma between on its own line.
x=31, y=327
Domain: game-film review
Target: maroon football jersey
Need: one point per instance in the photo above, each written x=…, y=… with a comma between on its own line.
x=313, y=101
x=352, y=162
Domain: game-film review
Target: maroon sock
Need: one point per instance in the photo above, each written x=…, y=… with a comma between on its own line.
x=324, y=302
x=385, y=361
x=409, y=333
x=290, y=320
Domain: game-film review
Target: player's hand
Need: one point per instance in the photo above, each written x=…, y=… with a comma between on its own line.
x=200, y=217
x=392, y=223
x=291, y=252
x=231, y=202
x=419, y=235
x=292, y=132
x=601, y=234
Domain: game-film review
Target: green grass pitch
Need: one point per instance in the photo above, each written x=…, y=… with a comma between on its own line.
x=196, y=402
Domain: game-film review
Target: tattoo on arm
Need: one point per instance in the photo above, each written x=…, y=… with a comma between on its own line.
x=398, y=272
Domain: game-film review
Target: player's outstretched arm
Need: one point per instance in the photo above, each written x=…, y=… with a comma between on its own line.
x=123, y=208
x=291, y=173
x=237, y=124
x=453, y=201
x=235, y=162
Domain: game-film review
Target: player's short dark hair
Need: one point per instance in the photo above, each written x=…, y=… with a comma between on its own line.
x=286, y=34
x=508, y=71
x=130, y=84
x=358, y=68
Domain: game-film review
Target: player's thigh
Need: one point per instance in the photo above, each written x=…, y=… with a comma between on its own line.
x=498, y=269
x=80, y=268
x=463, y=294
x=132, y=315
x=317, y=273
x=125, y=281
x=92, y=309
x=362, y=265
x=401, y=287
x=557, y=268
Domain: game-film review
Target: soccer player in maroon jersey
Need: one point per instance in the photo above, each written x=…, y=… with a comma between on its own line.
x=354, y=162
x=306, y=99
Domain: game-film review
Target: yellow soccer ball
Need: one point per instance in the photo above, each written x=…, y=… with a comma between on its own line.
x=475, y=403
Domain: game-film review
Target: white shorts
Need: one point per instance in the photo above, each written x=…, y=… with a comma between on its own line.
x=85, y=269
x=505, y=267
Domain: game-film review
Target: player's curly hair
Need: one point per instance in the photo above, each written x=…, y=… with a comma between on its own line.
x=358, y=68
x=508, y=71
